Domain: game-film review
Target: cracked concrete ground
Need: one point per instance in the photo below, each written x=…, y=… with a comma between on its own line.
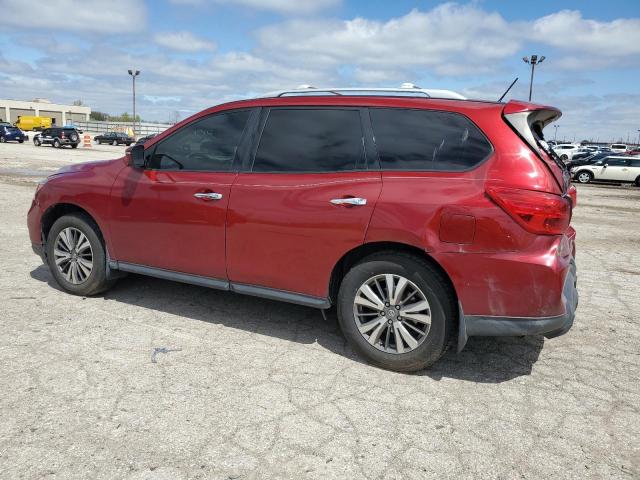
x=257, y=389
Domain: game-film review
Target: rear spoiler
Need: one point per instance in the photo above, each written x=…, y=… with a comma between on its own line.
x=528, y=120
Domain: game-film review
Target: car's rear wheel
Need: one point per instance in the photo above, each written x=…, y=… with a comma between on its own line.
x=56, y=143
x=76, y=255
x=397, y=311
x=584, y=177
x=114, y=143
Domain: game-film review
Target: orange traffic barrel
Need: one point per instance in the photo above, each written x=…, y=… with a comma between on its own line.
x=86, y=143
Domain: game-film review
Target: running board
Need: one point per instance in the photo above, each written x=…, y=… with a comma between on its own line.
x=218, y=284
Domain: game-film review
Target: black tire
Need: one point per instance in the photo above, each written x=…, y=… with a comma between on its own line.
x=638, y=181
x=74, y=145
x=20, y=141
x=97, y=281
x=564, y=157
x=114, y=143
x=432, y=284
x=2, y=140
x=56, y=143
x=584, y=176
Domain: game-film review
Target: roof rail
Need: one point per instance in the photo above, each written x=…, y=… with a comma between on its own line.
x=405, y=90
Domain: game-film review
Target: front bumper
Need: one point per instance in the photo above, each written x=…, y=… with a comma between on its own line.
x=550, y=327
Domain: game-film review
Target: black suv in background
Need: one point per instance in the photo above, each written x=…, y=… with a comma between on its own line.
x=58, y=137
x=114, y=138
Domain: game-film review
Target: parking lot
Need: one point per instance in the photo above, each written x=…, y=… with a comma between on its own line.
x=244, y=388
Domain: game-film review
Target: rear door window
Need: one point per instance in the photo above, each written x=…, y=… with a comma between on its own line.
x=417, y=140
x=310, y=140
x=617, y=162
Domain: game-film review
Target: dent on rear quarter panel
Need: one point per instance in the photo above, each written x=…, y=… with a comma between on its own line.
x=504, y=270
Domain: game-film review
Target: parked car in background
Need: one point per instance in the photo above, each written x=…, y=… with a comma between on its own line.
x=613, y=169
x=566, y=150
x=142, y=141
x=635, y=151
x=11, y=134
x=576, y=162
x=58, y=137
x=30, y=122
x=619, y=147
x=114, y=138
x=423, y=220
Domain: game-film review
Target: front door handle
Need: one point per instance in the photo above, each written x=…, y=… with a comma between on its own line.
x=353, y=201
x=208, y=196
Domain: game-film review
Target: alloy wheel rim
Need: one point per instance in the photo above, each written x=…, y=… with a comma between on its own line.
x=73, y=255
x=584, y=178
x=392, y=313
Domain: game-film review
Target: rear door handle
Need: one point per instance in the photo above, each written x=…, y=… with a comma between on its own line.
x=354, y=201
x=208, y=196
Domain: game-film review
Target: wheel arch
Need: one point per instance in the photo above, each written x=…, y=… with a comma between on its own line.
x=355, y=255
x=54, y=212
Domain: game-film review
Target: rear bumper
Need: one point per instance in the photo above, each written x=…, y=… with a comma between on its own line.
x=550, y=327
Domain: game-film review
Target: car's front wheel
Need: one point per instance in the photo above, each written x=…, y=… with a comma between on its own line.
x=76, y=255
x=114, y=143
x=638, y=181
x=397, y=311
x=37, y=142
x=584, y=177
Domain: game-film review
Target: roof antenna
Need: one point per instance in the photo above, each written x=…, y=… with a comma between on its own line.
x=507, y=90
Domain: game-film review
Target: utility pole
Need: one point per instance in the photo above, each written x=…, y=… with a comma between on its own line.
x=533, y=61
x=134, y=74
x=555, y=135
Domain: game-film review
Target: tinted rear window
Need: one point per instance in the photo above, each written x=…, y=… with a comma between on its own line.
x=427, y=140
x=617, y=162
x=310, y=140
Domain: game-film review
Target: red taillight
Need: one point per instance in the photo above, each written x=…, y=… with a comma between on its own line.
x=573, y=194
x=538, y=212
x=62, y=136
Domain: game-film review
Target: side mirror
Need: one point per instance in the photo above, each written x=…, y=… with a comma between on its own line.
x=137, y=156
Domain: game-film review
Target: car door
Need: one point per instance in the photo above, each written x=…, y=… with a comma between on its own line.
x=304, y=202
x=171, y=214
x=615, y=169
x=46, y=136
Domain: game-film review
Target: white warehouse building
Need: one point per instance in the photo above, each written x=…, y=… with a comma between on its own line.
x=10, y=110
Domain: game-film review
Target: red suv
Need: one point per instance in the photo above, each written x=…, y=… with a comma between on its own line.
x=422, y=220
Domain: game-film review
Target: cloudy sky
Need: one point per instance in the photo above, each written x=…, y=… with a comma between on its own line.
x=196, y=53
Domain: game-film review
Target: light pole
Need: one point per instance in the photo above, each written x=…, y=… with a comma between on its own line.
x=555, y=135
x=638, y=138
x=134, y=74
x=533, y=61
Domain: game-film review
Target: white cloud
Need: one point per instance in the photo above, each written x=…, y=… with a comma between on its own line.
x=287, y=7
x=450, y=39
x=567, y=30
x=93, y=16
x=183, y=42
